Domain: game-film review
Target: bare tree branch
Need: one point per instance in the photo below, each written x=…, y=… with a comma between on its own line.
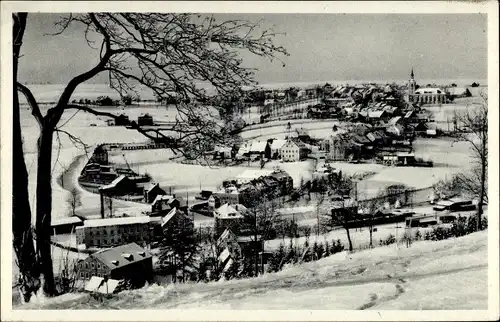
x=35, y=109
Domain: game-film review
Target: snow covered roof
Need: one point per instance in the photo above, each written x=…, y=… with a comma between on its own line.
x=116, y=221
x=65, y=221
x=277, y=144
x=150, y=186
x=97, y=284
x=120, y=256
x=394, y=120
x=224, y=255
x=250, y=174
x=259, y=146
x=163, y=198
x=226, y=235
x=168, y=216
x=429, y=90
x=226, y=211
x=114, y=183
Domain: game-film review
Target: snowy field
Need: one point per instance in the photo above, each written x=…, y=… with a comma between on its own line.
x=444, y=275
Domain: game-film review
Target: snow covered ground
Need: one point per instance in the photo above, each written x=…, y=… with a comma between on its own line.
x=445, y=275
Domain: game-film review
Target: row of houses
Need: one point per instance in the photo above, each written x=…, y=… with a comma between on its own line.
x=249, y=184
x=124, y=120
x=395, y=135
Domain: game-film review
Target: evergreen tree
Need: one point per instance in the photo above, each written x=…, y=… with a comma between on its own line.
x=178, y=245
x=327, y=248
x=321, y=251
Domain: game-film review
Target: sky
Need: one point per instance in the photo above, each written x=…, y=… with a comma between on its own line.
x=321, y=47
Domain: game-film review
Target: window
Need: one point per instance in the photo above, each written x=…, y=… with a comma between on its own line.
x=92, y=265
x=82, y=274
x=98, y=266
x=86, y=265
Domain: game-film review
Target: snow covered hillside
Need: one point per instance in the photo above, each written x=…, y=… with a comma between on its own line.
x=450, y=274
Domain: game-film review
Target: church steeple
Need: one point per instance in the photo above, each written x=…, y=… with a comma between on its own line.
x=412, y=75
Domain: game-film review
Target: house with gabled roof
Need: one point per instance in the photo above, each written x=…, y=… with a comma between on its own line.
x=127, y=262
x=227, y=216
x=228, y=240
x=294, y=150
x=151, y=191
x=164, y=203
x=175, y=219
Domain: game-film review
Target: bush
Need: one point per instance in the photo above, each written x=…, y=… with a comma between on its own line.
x=418, y=235
x=484, y=223
x=391, y=239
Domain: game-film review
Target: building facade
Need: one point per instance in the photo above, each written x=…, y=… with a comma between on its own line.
x=293, y=151
x=126, y=262
x=424, y=95
x=114, y=231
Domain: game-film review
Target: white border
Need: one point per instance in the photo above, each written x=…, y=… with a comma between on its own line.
x=489, y=7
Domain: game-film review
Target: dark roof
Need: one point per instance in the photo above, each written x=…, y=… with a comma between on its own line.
x=121, y=256
x=360, y=139
x=100, y=149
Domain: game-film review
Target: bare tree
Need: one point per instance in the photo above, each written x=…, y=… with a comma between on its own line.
x=167, y=53
x=28, y=280
x=474, y=123
x=73, y=200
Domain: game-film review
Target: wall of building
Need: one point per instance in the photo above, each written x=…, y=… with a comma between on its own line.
x=106, y=236
x=92, y=267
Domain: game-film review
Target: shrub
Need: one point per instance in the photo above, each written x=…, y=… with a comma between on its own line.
x=484, y=223
x=390, y=240
x=418, y=235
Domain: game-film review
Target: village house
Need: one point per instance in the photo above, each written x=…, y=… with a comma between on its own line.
x=225, y=217
x=122, y=120
x=275, y=148
x=65, y=225
x=99, y=156
x=374, y=116
x=343, y=207
x=336, y=147
x=285, y=181
x=377, y=138
x=151, y=191
x=145, y=120
x=229, y=195
x=105, y=286
x=114, y=231
x=127, y=262
x=175, y=220
x=395, y=130
x=294, y=150
x=164, y=203
x=228, y=240
x=222, y=152
x=120, y=186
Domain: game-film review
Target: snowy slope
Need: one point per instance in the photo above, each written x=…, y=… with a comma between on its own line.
x=450, y=274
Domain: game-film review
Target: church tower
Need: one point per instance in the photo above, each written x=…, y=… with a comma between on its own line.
x=412, y=84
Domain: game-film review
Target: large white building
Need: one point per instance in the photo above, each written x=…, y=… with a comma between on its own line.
x=114, y=231
x=425, y=95
x=293, y=151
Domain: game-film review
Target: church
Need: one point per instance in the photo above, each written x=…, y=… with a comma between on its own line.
x=425, y=95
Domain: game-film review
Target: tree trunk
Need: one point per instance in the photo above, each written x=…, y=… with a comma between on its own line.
x=371, y=235
x=44, y=208
x=29, y=281
x=348, y=237
x=481, y=195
